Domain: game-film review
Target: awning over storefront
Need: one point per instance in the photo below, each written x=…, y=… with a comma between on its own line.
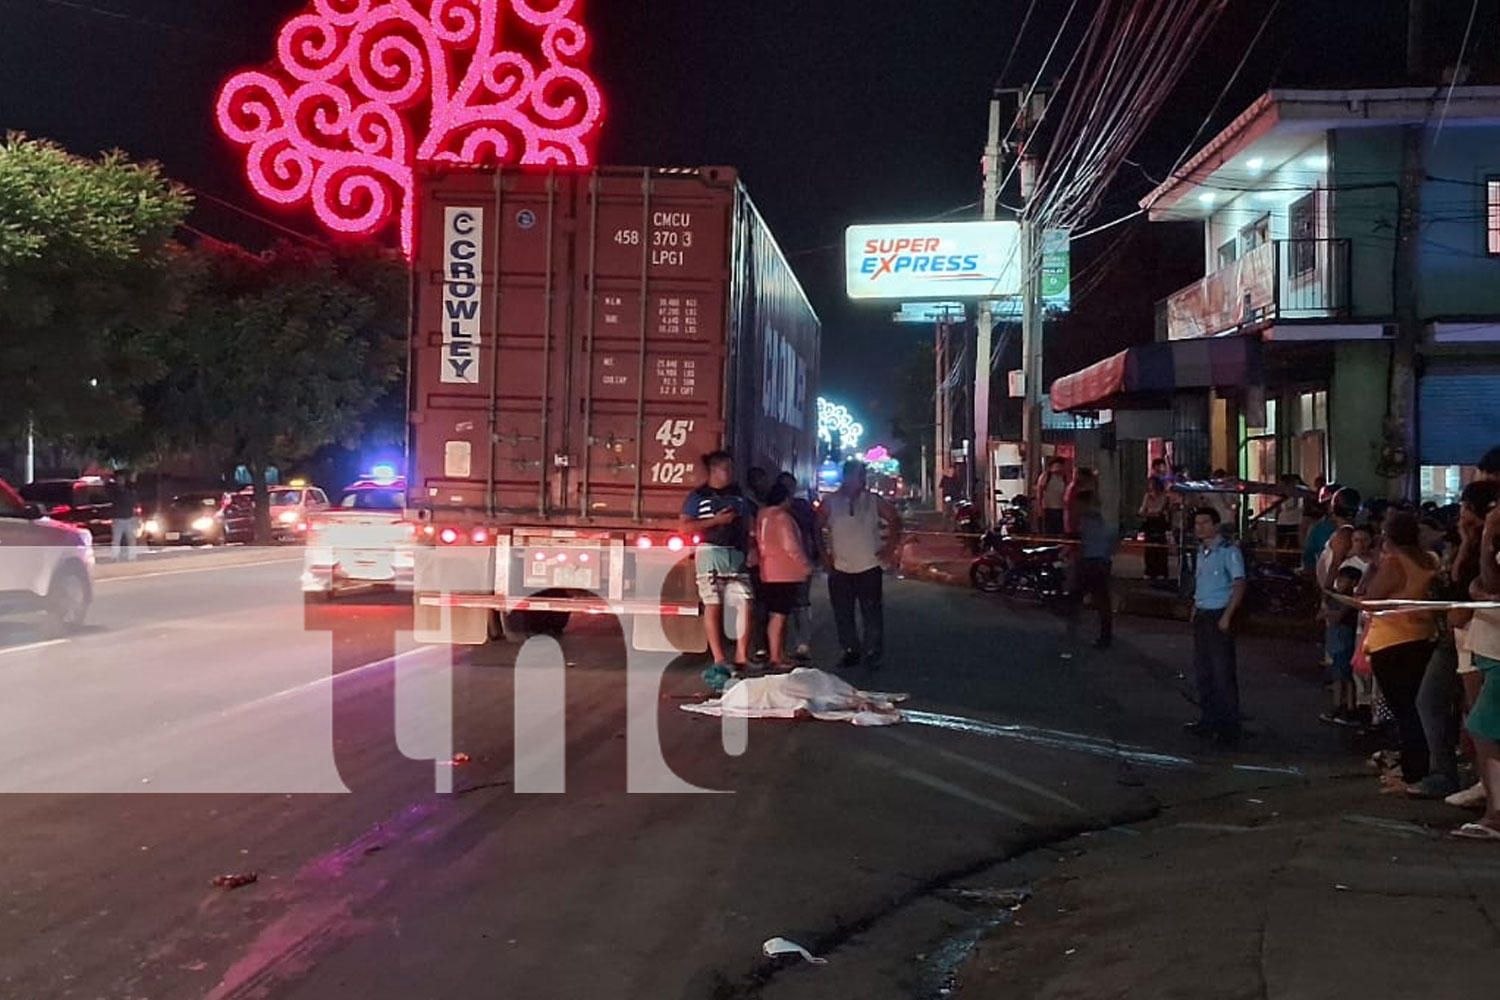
x=1144, y=376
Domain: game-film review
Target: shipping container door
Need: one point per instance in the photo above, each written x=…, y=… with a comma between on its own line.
x=488, y=407
x=653, y=309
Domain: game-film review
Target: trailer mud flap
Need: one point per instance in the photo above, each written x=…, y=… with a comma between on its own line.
x=437, y=625
x=669, y=633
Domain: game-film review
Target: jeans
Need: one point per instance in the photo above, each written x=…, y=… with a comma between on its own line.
x=1437, y=706
x=1217, y=667
x=1155, y=529
x=122, y=537
x=844, y=590
x=1093, y=580
x=1400, y=670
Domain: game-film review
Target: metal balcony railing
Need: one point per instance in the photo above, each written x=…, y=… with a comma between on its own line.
x=1283, y=280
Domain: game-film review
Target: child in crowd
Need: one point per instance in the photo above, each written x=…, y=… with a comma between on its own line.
x=1340, y=622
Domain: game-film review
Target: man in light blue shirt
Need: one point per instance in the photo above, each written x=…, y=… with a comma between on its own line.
x=1220, y=592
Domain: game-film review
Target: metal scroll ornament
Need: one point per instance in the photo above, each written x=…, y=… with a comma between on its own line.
x=363, y=91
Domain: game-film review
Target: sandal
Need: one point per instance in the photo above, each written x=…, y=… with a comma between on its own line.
x=1476, y=831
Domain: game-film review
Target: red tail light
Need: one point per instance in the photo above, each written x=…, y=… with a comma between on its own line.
x=449, y=536
x=643, y=542
x=480, y=536
x=61, y=508
x=302, y=527
x=676, y=544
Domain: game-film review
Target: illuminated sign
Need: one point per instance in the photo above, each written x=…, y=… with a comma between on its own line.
x=834, y=418
x=463, y=240
x=964, y=260
x=931, y=313
x=362, y=91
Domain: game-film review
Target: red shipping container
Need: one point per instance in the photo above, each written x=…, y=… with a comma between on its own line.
x=583, y=338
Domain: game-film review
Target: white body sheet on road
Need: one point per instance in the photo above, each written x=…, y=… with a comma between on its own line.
x=805, y=692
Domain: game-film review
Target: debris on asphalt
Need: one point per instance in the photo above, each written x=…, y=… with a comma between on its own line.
x=1001, y=898
x=781, y=946
x=228, y=882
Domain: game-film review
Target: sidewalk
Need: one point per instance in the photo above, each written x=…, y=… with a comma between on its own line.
x=1284, y=875
x=933, y=552
x=1320, y=891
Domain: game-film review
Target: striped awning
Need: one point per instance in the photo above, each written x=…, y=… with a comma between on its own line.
x=1146, y=375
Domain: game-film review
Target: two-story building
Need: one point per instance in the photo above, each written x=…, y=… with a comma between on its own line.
x=1281, y=359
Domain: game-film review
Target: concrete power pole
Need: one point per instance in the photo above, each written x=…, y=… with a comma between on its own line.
x=942, y=438
x=1031, y=293
x=980, y=448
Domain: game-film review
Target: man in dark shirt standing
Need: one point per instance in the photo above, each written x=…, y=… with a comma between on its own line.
x=1095, y=567
x=123, y=503
x=723, y=519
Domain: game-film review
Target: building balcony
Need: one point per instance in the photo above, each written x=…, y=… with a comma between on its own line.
x=1283, y=280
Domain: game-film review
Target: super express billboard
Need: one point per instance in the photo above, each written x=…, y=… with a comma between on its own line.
x=963, y=260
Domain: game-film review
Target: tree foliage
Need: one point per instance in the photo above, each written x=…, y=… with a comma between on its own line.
x=83, y=248
x=270, y=357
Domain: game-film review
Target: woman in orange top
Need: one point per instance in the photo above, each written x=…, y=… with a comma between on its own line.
x=1400, y=645
x=783, y=567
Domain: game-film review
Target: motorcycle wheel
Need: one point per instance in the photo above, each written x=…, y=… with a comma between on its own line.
x=987, y=576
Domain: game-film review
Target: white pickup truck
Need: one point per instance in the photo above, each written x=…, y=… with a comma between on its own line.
x=45, y=565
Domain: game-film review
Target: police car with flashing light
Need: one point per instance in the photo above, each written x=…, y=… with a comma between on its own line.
x=363, y=540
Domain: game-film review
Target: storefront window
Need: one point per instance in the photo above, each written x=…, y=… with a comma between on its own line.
x=1442, y=484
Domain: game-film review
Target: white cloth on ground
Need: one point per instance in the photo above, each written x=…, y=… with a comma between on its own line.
x=805, y=691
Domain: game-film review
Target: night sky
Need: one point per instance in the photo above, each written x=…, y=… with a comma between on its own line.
x=835, y=111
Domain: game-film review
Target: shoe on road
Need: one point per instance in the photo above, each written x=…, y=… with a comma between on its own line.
x=1470, y=798
x=1434, y=786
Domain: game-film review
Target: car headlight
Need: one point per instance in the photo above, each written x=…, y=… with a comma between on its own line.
x=287, y=516
x=152, y=527
x=203, y=524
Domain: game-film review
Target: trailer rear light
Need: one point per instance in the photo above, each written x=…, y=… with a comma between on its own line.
x=480, y=536
x=540, y=557
x=449, y=536
x=301, y=528
x=643, y=542
x=428, y=530
x=583, y=557
x=697, y=539
x=676, y=544
x=61, y=508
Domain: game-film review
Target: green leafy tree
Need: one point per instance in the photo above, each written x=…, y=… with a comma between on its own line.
x=83, y=252
x=273, y=356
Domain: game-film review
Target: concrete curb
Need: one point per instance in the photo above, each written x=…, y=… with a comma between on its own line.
x=196, y=560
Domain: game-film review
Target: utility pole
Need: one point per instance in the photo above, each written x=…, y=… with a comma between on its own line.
x=941, y=436
x=1031, y=290
x=979, y=456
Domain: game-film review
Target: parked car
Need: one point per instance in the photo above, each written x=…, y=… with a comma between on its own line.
x=209, y=517
x=45, y=564
x=290, y=508
x=83, y=502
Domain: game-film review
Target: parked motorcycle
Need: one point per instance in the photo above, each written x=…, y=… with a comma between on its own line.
x=1274, y=589
x=1012, y=569
x=968, y=524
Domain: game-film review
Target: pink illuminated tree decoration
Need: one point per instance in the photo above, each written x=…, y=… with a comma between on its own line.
x=363, y=91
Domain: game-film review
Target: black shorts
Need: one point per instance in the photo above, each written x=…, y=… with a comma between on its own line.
x=780, y=598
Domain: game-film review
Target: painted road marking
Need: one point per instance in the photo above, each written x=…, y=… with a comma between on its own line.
x=31, y=647
x=195, y=569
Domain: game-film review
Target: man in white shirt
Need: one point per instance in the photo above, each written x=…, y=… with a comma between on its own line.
x=1483, y=721
x=855, y=552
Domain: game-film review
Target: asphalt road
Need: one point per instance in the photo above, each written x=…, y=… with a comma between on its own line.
x=209, y=724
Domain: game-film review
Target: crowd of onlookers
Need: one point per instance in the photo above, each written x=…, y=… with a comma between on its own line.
x=759, y=546
x=1412, y=649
